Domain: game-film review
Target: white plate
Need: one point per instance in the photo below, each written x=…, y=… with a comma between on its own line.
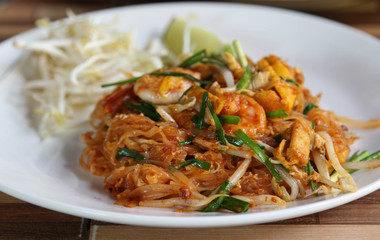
x=336, y=59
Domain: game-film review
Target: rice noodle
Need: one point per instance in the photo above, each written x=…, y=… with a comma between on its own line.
x=354, y=123
x=235, y=177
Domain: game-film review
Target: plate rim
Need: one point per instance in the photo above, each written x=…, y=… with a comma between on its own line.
x=206, y=220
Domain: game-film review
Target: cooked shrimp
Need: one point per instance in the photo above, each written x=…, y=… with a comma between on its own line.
x=252, y=114
x=163, y=89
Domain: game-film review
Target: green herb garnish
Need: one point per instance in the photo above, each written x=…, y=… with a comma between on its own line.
x=229, y=119
x=179, y=74
x=308, y=107
x=196, y=163
x=218, y=125
x=131, y=80
x=276, y=114
x=125, y=152
x=147, y=109
x=259, y=152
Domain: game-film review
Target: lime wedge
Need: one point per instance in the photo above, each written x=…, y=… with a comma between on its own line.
x=199, y=38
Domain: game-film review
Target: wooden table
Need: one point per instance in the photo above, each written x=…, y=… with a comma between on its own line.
x=20, y=220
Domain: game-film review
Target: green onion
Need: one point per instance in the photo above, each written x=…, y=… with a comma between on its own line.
x=218, y=125
x=309, y=171
x=224, y=188
x=240, y=53
x=308, y=107
x=186, y=142
x=179, y=74
x=229, y=119
x=197, y=57
x=276, y=114
x=313, y=125
x=278, y=138
x=125, y=152
x=105, y=128
x=200, y=120
x=184, y=93
x=246, y=79
x=147, y=109
x=290, y=81
x=131, y=80
x=196, y=163
x=260, y=153
x=235, y=205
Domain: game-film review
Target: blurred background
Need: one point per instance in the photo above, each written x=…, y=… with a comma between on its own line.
x=19, y=15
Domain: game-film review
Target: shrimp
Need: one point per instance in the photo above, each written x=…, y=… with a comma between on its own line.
x=252, y=114
x=163, y=89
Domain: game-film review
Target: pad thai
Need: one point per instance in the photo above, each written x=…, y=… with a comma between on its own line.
x=219, y=131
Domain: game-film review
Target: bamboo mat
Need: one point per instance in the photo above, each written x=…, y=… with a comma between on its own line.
x=19, y=220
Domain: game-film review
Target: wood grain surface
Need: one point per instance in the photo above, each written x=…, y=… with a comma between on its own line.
x=19, y=220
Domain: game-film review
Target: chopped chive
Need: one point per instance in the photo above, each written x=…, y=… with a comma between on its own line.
x=282, y=166
x=197, y=57
x=218, y=125
x=246, y=79
x=105, y=128
x=313, y=125
x=353, y=156
x=194, y=118
x=229, y=119
x=359, y=157
x=125, y=152
x=131, y=80
x=260, y=153
x=147, y=109
x=373, y=156
x=224, y=188
x=184, y=93
x=240, y=53
x=234, y=141
x=308, y=107
x=278, y=138
x=235, y=205
x=179, y=74
x=276, y=114
x=186, y=142
x=290, y=81
x=196, y=163
x=309, y=171
x=200, y=124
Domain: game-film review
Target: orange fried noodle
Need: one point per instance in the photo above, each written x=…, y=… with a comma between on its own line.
x=151, y=174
